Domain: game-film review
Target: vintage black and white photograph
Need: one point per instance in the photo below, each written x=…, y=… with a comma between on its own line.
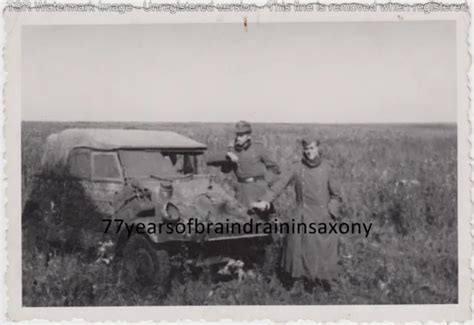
x=242, y=163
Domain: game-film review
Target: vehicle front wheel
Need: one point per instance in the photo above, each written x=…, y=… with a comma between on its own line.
x=143, y=263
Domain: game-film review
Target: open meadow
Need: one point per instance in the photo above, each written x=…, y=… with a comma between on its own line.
x=402, y=178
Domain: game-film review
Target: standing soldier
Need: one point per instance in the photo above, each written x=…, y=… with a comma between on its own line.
x=309, y=256
x=249, y=160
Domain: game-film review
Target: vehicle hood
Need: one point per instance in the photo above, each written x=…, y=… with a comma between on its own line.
x=199, y=196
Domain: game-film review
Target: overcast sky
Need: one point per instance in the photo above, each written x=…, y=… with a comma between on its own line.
x=297, y=72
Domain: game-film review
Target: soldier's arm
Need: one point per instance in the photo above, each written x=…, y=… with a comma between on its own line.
x=335, y=202
x=267, y=159
x=334, y=185
x=286, y=179
x=220, y=159
x=216, y=159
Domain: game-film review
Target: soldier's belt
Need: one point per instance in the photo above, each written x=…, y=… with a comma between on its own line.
x=251, y=179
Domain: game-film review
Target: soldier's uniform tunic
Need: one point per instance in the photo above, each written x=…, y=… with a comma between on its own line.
x=250, y=170
x=309, y=255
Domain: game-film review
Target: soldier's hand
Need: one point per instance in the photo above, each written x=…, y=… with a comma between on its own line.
x=261, y=205
x=232, y=156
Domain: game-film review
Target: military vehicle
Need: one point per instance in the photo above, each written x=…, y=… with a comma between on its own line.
x=93, y=179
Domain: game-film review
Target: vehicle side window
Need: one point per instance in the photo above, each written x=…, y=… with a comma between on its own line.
x=80, y=163
x=105, y=165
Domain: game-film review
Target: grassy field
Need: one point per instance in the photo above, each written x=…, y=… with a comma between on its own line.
x=402, y=178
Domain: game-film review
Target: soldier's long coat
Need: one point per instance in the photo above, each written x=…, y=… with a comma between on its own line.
x=309, y=255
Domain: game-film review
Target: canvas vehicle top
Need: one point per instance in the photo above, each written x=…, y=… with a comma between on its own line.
x=60, y=145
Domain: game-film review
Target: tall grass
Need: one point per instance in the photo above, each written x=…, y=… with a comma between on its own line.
x=403, y=179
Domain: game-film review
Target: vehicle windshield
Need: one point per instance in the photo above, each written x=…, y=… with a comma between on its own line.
x=147, y=163
x=142, y=163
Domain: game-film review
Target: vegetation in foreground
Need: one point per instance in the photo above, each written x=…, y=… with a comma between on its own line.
x=401, y=178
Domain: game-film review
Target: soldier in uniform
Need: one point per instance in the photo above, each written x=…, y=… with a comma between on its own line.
x=308, y=256
x=249, y=160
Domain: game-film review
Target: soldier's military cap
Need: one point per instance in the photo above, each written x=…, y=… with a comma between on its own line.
x=243, y=127
x=306, y=141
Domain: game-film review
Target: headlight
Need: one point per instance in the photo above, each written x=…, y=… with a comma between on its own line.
x=171, y=212
x=166, y=190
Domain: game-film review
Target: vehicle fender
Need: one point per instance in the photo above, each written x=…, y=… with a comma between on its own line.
x=129, y=229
